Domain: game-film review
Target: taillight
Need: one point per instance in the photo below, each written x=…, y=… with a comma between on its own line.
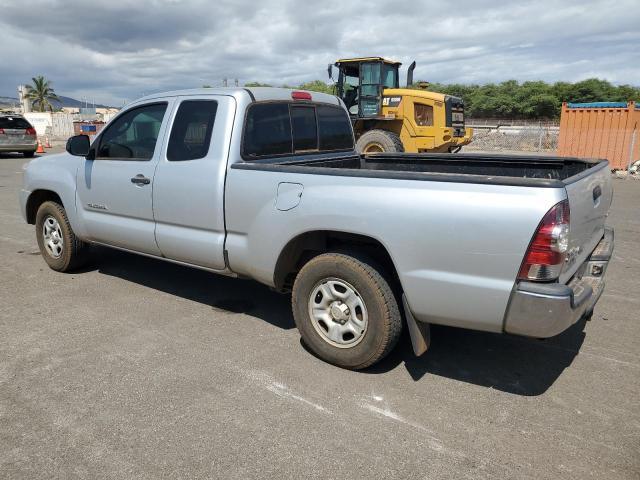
x=1, y=131
x=300, y=95
x=546, y=253
x=30, y=131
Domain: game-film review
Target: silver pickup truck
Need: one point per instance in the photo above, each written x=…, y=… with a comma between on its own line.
x=265, y=183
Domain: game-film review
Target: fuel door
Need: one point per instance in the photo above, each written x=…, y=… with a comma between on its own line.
x=288, y=195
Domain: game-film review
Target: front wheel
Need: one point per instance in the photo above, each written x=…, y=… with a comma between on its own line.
x=345, y=310
x=379, y=141
x=58, y=244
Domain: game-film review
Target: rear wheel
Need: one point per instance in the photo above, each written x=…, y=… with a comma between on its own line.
x=58, y=244
x=379, y=141
x=345, y=310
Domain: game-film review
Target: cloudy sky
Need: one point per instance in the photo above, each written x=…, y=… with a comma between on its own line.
x=118, y=50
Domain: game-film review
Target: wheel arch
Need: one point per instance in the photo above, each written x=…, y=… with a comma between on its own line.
x=300, y=249
x=37, y=198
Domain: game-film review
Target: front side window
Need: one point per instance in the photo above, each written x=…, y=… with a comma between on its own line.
x=390, y=76
x=191, y=131
x=133, y=135
x=424, y=114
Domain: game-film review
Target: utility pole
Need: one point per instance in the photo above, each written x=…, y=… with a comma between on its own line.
x=224, y=82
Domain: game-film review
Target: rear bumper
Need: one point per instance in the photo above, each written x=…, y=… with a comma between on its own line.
x=22, y=147
x=546, y=309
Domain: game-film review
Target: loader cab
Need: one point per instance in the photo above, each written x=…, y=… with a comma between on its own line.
x=361, y=82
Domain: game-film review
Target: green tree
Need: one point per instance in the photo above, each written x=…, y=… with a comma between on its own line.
x=317, y=86
x=41, y=93
x=511, y=99
x=535, y=99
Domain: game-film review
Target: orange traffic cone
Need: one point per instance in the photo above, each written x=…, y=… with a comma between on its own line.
x=40, y=149
x=47, y=144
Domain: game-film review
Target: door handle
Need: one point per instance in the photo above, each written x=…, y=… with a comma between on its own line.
x=140, y=180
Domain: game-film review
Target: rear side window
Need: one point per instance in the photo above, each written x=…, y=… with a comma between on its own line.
x=14, y=122
x=305, y=129
x=191, y=131
x=334, y=127
x=276, y=129
x=268, y=130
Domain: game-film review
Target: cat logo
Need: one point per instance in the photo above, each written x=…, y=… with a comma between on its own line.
x=391, y=101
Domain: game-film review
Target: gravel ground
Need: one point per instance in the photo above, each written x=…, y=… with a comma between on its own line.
x=135, y=368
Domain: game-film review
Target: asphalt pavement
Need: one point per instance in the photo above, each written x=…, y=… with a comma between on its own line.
x=136, y=368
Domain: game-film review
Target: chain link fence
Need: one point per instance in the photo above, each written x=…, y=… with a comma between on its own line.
x=491, y=135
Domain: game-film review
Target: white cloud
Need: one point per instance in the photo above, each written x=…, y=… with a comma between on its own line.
x=119, y=49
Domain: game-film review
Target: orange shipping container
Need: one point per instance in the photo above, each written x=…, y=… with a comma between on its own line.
x=601, y=130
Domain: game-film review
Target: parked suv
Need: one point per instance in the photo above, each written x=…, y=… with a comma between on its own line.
x=17, y=135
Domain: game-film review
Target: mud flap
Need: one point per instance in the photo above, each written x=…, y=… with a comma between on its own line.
x=419, y=332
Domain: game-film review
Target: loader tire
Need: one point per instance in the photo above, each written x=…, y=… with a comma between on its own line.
x=379, y=141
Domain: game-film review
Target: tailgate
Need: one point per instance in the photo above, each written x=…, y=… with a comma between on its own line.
x=589, y=195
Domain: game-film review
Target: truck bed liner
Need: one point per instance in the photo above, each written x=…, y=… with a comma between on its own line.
x=517, y=170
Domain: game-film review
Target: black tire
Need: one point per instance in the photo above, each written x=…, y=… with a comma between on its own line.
x=388, y=142
x=74, y=252
x=28, y=154
x=384, y=324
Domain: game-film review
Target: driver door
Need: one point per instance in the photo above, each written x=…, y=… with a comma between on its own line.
x=114, y=183
x=370, y=98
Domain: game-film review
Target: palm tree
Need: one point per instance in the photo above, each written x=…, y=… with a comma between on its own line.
x=41, y=93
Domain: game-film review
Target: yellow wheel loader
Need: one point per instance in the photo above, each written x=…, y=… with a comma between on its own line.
x=387, y=118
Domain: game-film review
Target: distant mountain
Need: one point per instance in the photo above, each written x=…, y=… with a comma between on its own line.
x=64, y=102
x=72, y=102
x=8, y=101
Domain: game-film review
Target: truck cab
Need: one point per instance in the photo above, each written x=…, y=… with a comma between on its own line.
x=387, y=118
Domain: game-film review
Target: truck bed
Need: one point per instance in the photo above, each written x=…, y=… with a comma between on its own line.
x=517, y=170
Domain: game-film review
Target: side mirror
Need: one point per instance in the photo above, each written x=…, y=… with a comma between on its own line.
x=78, y=145
x=330, y=71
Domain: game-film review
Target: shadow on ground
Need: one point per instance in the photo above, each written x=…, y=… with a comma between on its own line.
x=517, y=365
x=219, y=292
